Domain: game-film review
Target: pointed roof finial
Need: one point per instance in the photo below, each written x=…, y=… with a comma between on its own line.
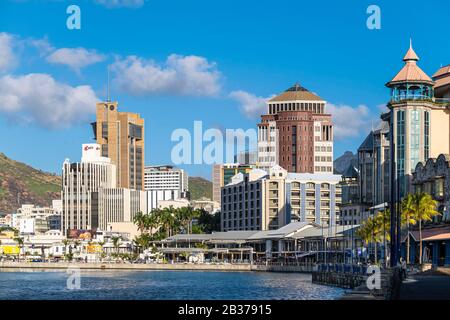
x=410, y=55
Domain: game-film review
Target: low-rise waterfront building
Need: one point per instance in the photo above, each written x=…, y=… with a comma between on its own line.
x=296, y=243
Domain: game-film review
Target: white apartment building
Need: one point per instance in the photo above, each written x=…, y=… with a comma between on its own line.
x=31, y=219
x=164, y=183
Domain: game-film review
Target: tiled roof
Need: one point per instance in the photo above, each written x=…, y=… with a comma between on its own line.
x=442, y=77
x=442, y=71
x=411, y=72
x=432, y=234
x=294, y=93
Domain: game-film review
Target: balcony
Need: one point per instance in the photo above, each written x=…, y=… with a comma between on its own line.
x=273, y=194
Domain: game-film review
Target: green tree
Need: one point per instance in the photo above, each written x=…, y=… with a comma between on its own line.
x=208, y=222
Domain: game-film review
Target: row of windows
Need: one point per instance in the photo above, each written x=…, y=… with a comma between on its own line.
x=323, y=169
x=324, y=149
x=297, y=106
x=323, y=159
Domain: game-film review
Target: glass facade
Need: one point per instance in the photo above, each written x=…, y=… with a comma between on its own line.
x=414, y=138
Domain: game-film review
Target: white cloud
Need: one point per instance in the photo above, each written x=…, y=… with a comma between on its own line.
x=350, y=122
x=250, y=105
x=43, y=46
x=121, y=3
x=7, y=56
x=37, y=98
x=179, y=75
x=75, y=58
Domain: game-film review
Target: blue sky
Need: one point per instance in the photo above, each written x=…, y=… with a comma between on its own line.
x=192, y=55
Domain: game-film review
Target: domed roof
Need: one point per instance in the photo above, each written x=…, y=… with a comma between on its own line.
x=295, y=93
x=410, y=72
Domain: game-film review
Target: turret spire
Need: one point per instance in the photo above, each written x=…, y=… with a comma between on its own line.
x=410, y=55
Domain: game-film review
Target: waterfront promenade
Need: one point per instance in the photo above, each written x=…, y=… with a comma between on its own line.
x=429, y=285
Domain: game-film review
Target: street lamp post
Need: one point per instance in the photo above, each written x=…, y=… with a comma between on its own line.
x=393, y=245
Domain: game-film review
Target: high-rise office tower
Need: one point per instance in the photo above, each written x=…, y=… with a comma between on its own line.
x=81, y=182
x=297, y=134
x=121, y=137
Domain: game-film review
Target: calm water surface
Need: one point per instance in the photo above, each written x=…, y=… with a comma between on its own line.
x=139, y=285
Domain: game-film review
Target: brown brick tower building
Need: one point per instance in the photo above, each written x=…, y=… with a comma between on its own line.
x=297, y=134
x=121, y=136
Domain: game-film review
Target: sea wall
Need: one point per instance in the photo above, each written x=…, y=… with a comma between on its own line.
x=284, y=268
x=390, y=282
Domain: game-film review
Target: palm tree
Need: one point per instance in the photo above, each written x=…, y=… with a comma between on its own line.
x=370, y=232
x=424, y=210
x=142, y=241
x=116, y=243
x=65, y=243
x=139, y=219
x=408, y=218
x=383, y=222
x=167, y=219
x=20, y=242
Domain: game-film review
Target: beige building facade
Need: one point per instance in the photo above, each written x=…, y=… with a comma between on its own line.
x=261, y=200
x=121, y=138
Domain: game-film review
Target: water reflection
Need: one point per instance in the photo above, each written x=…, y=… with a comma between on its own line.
x=138, y=285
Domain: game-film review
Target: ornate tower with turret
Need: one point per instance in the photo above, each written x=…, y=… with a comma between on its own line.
x=419, y=121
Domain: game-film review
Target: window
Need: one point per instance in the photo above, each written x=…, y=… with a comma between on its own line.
x=415, y=138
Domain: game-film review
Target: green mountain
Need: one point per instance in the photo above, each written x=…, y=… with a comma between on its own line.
x=21, y=184
x=199, y=188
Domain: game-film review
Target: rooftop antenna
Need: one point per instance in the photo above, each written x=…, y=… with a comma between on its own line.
x=108, y=98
